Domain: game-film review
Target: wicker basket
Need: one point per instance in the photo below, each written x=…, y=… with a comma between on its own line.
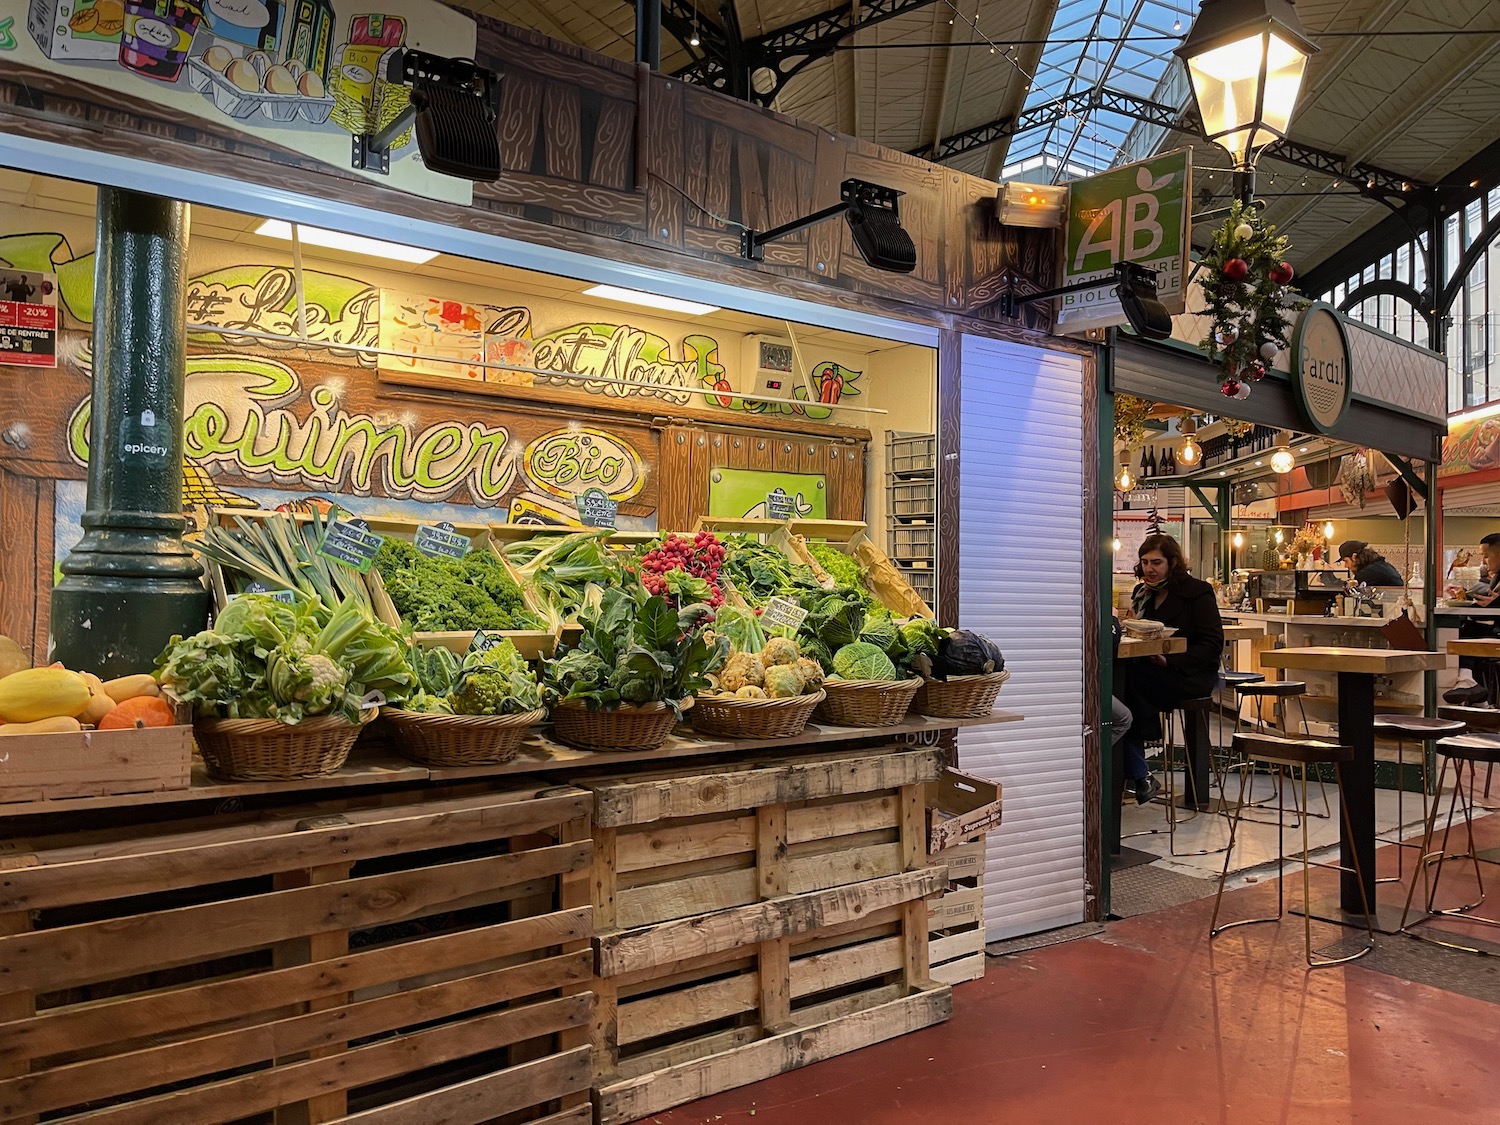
x=460, y=740
x=961, y=697
x=866, y=703
x=267, y=750
x=754, y=718
x=628, y=727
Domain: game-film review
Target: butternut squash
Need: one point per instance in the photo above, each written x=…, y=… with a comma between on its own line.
x=12, y=657
x=99, y=703
x=58, y=724
x=42, y=693
x=128, y=687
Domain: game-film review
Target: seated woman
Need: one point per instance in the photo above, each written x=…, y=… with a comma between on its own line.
x=1169, y=594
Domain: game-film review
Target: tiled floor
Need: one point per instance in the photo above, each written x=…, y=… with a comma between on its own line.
x=1152, y=1023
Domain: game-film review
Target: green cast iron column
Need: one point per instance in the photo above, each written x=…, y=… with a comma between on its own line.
x=129, y=583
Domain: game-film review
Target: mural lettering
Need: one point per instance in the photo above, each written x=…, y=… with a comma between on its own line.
x=569, y=461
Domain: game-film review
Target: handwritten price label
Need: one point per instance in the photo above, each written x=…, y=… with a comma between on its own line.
x=783, y=613
x=352, y=543
x=595, y=508
x=440, y=541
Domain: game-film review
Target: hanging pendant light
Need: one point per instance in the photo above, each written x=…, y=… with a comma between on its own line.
x=1190, y=453
x=1328, y=529
x=1282, y=461
x=1124, y=479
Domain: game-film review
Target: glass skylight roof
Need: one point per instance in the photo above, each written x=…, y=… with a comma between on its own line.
x=1122, y=45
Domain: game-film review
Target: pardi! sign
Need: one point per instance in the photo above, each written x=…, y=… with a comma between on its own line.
x=1135, y=213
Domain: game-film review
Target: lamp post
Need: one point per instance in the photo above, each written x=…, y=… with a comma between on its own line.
x=1245, y=60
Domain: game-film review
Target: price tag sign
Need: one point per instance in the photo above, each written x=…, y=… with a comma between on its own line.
x=287, y=596
x=780, y=506
x=783, y=613
x=483, y=641
x=595, y=508
x=352, y=543
x=440, y=541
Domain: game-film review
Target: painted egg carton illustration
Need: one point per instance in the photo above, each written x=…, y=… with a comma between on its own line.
x=241, y=87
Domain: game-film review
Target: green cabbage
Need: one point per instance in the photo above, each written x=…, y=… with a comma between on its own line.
x=863, y=661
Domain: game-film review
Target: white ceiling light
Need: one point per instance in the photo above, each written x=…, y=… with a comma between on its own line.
x=350, y=243
x=649, y=300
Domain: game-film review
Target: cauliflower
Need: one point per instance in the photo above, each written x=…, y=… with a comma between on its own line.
x=784, y=681
x=491, y=692
x=812, y=673
x=750, y=691
x=742, y=670
x=779, y=650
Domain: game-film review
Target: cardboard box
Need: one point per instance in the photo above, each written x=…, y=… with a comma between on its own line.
x=75, y=30
x=94, y=763
x=964, y=806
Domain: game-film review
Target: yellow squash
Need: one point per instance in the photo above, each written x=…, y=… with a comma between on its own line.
x=128, y=687
x=42, y=693
x=61, y=724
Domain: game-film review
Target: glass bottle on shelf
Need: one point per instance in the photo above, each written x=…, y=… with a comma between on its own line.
x=1169, y=459
x=1151, y=462
x=1145, y=464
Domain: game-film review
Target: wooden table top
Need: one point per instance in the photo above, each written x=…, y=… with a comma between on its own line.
x=1372, y=660
x=1243, y=632
x=1134, y=647
x=1475, y=646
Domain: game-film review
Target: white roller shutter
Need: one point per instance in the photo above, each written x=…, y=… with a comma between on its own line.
x=1021, y=524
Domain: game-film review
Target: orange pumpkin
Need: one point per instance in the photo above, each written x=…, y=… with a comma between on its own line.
x=142, y=711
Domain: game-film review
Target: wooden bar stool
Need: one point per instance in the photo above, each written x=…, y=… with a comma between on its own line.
x=1471, y=750
x=1278, y=692
x=1287, y=756
x=1222, y=761
x=1423, y=730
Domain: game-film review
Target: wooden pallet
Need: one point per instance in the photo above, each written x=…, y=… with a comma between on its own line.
x=955, y=921
x=756, y=918
x=420, y=961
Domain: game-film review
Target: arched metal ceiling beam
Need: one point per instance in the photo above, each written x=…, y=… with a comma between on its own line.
x=788, y=50
x=1373, y=179
x=1390, y=287
x=1466, y=262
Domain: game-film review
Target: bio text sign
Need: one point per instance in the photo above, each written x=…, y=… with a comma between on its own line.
x=1320, y=366
x=1135, y=213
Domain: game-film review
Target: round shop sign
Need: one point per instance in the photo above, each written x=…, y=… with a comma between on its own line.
x=1321, y=351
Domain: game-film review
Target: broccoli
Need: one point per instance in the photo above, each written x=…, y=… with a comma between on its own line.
x=784, y=681
x=490, y=692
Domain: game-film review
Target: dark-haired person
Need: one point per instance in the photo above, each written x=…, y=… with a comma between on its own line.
x=1483, y=626
x=1368, y=565
x=1169, y=594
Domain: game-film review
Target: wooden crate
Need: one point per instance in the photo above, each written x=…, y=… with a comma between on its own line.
x=956, y=920
x=94, y=763
x=884, y=578
x=426, y=960
x=755, y=918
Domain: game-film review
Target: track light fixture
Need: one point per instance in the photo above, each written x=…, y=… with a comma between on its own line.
x=1135, y=285
x=874, y=219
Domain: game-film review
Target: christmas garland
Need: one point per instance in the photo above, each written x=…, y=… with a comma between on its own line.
x=1130, y=419
x=1245, y=275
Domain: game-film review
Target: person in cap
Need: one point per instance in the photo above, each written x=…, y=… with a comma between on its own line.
x=1367, y=564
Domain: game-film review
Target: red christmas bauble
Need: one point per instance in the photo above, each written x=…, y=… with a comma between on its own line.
x=1230, y=388
x=1236, y=269
x=1255, y=372
x=1282, y=273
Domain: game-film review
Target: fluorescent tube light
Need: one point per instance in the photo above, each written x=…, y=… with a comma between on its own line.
x=351, y=243
x=649, y=300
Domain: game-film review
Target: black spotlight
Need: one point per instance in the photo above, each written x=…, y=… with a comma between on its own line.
x=1137, y=292
x=874, y=219
x=454, y=104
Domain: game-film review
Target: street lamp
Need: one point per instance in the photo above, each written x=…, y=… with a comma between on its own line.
x=1246, y=59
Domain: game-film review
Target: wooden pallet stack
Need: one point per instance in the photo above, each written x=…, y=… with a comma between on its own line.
x=755, y=918
x=408, y=959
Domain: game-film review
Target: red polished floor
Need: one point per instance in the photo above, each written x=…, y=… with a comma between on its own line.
x=1151, y=1023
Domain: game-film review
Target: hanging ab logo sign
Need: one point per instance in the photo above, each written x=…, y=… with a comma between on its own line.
x=1322, y=366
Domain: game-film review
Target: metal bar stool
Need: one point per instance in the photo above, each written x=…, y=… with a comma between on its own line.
x=1423, y=730
x=1190, y=709
x=1471, y=750
x=1287, y=756
x=1480, y=720
x=1222, y=760
x=1278, y=691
